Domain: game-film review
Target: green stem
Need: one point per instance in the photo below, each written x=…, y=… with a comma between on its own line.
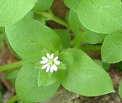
x=13, y=99
x=91, y=47
x=51, y=16
x=11, y=66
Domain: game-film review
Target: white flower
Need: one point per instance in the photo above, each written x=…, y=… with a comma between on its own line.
x=50, y=62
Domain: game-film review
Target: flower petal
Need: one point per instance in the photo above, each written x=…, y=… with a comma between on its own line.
x=56, y=58
x=48, y=55
x=48, y=68
x=52, y=56
x=43, y=62
x=57, y=62
x=44, y=59
x=53, y=68
x=45, y=66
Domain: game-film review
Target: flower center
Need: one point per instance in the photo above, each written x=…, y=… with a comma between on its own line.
x=51, y=61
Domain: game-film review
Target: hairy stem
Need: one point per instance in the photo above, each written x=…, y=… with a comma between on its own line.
x=11, y=66
x=51, y=16
x=13, y=99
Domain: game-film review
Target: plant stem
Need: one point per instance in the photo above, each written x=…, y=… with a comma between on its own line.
x=51, y=16
x=11, y=66
x=13, y=99
x=91, y=47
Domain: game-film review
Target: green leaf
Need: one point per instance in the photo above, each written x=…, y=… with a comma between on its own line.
x=27, y=85
x=0, y=97
x=12, y=99
x=104, y=65
x=74, y=22
x=1, y=40
x=44, y=79
x=11, y=74
x=30, y=15
x=119, y=66
x=84, y=76
x=65, y=37
x=1, y=30
x=72, y=4
x=61, y=73
x=120, y=89
x=43, y=5
x=29, y=38
x=92, y=37
x=1, y=36
x=12, y=11
x=112, y=48
x=82, y=33
x=27, y=102
x=101, y=16
x=76, y=26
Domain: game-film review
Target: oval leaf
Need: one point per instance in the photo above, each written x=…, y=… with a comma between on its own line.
x=27, y=85
x=82, y=33
x=43, y=5
x=29, y=38
x=84, y=76
x=12, y=11
x=101, y=16
x=120, y=89
x=64, y=37
x=72, y=4
x=1, y=37
x=112, y=48
x=46, y=79
x=74, y=22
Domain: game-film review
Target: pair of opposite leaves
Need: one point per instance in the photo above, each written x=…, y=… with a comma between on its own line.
x=102, y=17
x=28, y=38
